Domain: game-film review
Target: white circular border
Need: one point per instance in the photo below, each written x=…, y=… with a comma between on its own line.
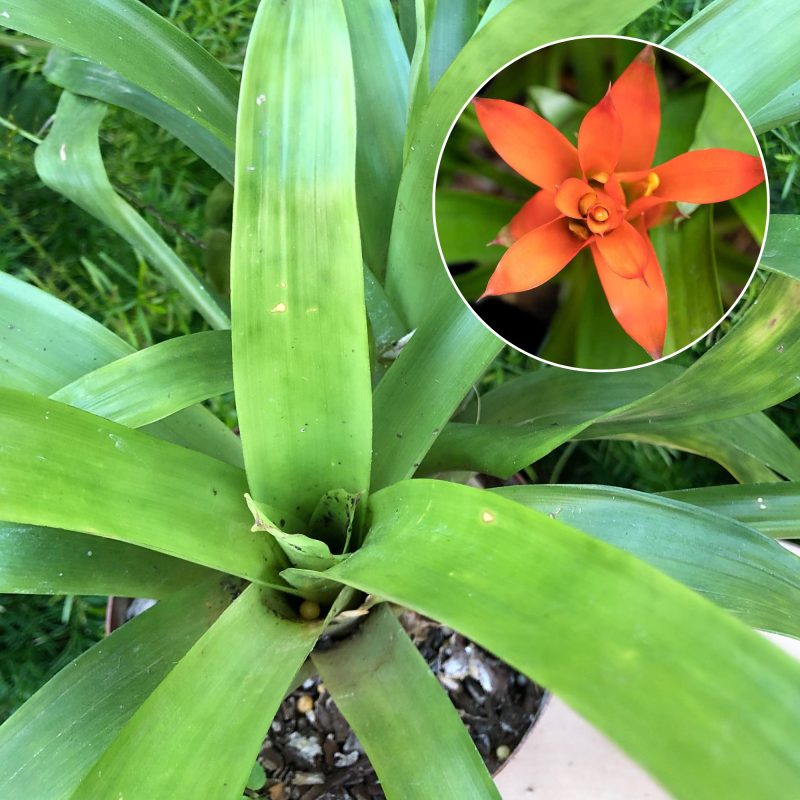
x=627, y=39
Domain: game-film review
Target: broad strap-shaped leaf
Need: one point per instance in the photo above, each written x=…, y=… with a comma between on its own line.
x=748, y=46
x=782, y=249
x=51, y=561
x=300, y=347
x=53, y=740
x=687, y=257
x=755, y=366
x=527, y=417
x=423, y=388
x=667, y=675
x=413, y=736
x=130, y=38
x=780, y=110
x=154, y=383
x=47, y=344
x=749, y=447
x=415, y=275
x=419, y=80
x=454, y=22
x=773, y=509
x=381, y=72
x=731, y=564
x=80, y=75
x=69, y=162
x=62, y=467
x=199, y=732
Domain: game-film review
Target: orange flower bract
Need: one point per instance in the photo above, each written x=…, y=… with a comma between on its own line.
x=604, y=194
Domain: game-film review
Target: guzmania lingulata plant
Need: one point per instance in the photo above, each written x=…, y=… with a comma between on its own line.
x=636, y=609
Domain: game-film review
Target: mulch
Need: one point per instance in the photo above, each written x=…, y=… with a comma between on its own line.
x=311, y=753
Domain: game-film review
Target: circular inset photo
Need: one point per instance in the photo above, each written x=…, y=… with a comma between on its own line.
x=601, y=203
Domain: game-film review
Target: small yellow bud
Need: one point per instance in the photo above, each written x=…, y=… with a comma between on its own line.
x=309, y=610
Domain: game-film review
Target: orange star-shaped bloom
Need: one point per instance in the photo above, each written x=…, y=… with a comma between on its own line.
x=604, y=195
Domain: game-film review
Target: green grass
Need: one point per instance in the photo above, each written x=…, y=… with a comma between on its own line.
x=56, y=246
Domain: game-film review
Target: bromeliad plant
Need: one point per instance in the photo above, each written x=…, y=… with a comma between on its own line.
x=634, y=608
x=605, y=195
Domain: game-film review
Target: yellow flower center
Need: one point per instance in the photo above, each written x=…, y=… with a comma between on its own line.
x=651, y=184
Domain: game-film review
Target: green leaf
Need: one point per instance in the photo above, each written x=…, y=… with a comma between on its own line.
x=50, y=743
x=780, y=110
x=782, y=246
x=467, y=222
x=154, y=383
x=51, y=561
x=525, y=418
x=296, y=277
x=199, y=732
x=748, y=46
x=385, y=326
x=81, y=75
x=755, y=366
x=732, y=565
x=600, y=341
x=416, y=742
x=749, y=447
x=773, y=509
x=415, y=272
x=454, y=21
x=48, y=344
x=424, y=387
x=668, y=676
x=381, y=72
x=419, y=80
x=62, y=467
x=686, y=254
x=69, y=162
x=131, y=39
